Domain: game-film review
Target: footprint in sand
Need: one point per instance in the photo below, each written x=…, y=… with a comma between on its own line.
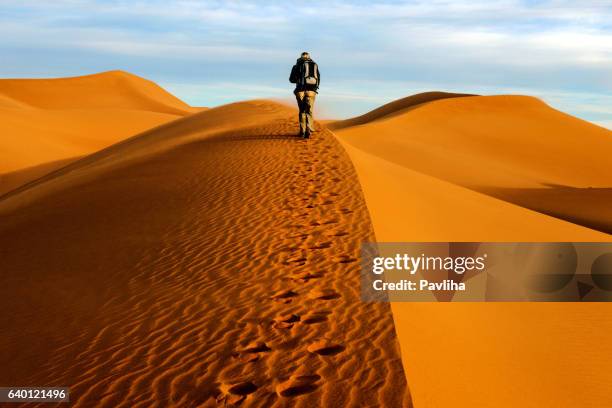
x=256, y=347
x=344, y=259
x=252, y=351
x=288, y=249
x=324, y=294
x=298, y=260
x=286, y=321
x=320, y=245
x=315, y=317
x=247, y=358
x=325, y=348
x=284, y=296
x=337, y=234
x=298, y=385
x=306, y=276
x=235, y=393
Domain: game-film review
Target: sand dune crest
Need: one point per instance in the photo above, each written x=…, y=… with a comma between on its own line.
x=198, y=263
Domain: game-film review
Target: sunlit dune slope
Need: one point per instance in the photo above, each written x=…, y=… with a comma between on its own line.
x=514, y=148
x=424, y=174
x=211, y=261
x=48, y=120
x=111, y=89
x=394, y=108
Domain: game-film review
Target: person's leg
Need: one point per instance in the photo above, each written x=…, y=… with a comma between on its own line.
x=310, y=101
x=300, y=96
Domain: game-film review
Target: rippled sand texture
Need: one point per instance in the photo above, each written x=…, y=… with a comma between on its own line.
x=209, y=261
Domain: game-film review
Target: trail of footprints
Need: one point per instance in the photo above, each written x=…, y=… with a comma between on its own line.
x=311, y=202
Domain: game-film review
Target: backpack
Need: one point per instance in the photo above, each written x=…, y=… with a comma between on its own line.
x=310, y=73
x=305, y=73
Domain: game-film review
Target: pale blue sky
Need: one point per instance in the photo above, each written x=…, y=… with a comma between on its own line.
x=213, y=52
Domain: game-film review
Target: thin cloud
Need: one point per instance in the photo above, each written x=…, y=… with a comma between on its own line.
x=552, y=46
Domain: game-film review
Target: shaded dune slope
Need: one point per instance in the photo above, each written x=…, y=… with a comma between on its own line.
x=14, y=179
x=513, y=148
x=43, y=121
x=212, y=260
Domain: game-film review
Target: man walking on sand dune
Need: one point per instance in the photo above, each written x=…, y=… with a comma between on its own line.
x=305, y=75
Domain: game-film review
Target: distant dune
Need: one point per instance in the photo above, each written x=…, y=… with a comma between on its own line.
x=491, y=168
x=513, y=148
x=111, y=89
x=47, y=121
x=396, y=107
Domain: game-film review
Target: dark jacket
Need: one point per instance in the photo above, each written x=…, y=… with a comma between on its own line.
x=298, y=74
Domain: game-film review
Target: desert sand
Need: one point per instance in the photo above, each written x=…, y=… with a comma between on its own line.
x=210, y=261
x=514, y=148
x=501, y=168
x=46, y=123
x=211, y=258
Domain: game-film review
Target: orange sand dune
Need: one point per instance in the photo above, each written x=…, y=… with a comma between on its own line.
x=437, y=173
x=211, y=261
x=111, y=89
x=50, y=120
x=394, y=108
x=514, y=148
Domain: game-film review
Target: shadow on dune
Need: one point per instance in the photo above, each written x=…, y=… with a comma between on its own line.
x=589, y=207
x=12, y=180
